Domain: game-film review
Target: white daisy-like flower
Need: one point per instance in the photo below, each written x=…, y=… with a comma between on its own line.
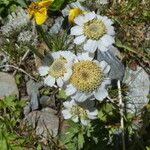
x=88, y=79
x=78, y=112
x=60, y=70
x=93, y=31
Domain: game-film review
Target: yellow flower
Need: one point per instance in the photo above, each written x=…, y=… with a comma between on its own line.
x=74, y=13
x=38, y=10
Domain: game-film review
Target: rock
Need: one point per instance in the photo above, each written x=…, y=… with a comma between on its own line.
x=45, y=122
x=46, y=101
x=138, y=89
x=8, y=85
x=33, y=92
x=4, y=61
x=117, y=68
x=27, y=110
x=56, y=26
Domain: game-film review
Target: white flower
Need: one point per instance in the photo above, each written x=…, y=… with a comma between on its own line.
x=88, y=79
x=79, y=112
x=60, y=70
x=93, y=31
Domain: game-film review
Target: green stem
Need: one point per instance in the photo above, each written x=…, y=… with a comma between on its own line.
x=44, y=36
x=35, y=51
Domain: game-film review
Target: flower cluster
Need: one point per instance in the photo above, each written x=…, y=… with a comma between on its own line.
x=83, y=78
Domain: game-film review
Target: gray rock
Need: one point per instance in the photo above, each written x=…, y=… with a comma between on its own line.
x=46, y=101
x=138, y=89
x=117, y=68
x=56, y=26
x=33, y=92
x=45, y=122
x=8, y=85
x=27, y=110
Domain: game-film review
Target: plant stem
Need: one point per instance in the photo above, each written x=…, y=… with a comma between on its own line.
x=35, y=51
x=121, y=114
x=44, y=36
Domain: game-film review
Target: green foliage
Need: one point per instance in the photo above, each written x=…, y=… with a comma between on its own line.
x=13, y=134
x=62, y=95
x=108, y=112
x=8, y=6
x=13, y=51
x=10, y=109
x=57, y=4
x=74, y=137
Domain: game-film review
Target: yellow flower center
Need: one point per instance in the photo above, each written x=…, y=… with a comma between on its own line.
x=57, y=69
x=94, y=29
x=74, y=13
x=86, y=76
x=79, y=111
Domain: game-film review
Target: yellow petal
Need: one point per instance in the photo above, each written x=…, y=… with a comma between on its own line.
x=40, y=16
x=45, y=3
x=74, y=13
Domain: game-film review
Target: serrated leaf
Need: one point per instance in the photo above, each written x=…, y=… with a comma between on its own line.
x=62, y=94
x=102, y=116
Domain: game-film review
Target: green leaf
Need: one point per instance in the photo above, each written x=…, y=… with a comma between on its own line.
x=62, y=94
x=56, y=5
x=147, y=148
x=80, y=141
x=22, y=3
x=39, y=147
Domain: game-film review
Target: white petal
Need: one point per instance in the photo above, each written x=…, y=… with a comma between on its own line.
x=107, y=69
x=84, y=122
x=103, y=64
x=50, y=81
x=101, y=47
x=43, y=70
x=76, y=5
x=81, y=97
x=66, y=114
x=90, y=16
x=80, y=20
x=67, y=104
x=76, y=30
x=84, y=56
x=102, y=93
x=59, y=82
x=110, y=30
x=75, y=118
x=56, y=54
x=70, y=90
x=67, y=74
x=93, y=114
x=80, y=39
x=69, y=56
x=90, y=46
x=107, y=40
